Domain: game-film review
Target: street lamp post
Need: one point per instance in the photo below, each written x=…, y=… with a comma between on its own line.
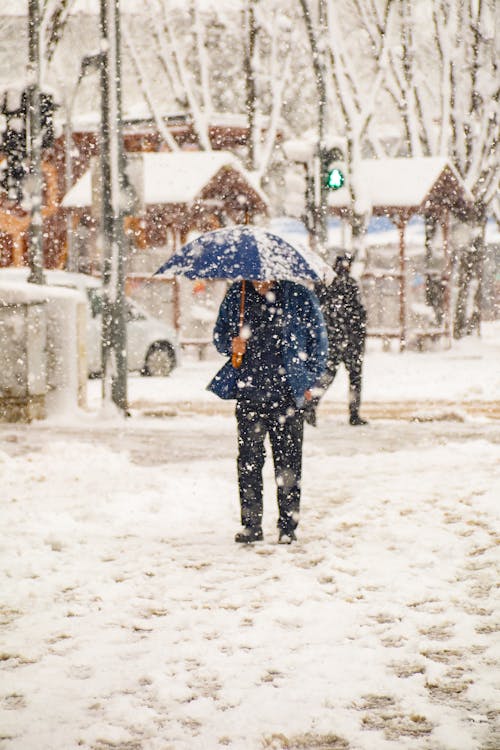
x=114, y=345
x=34, y=141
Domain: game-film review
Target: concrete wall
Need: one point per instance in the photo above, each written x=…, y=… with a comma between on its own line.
x=23, y=370
x=43, y=368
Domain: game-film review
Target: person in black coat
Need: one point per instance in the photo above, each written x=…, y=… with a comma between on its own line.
x=345, y=319
x=282, y=342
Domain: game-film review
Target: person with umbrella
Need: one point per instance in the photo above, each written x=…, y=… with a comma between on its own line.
x=272, y=330
x=283, y=348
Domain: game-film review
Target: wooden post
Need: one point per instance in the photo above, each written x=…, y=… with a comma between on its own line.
x=16, y=226
x=402, y=284
x=447, y=277
x=178, y=242
x=18, y=250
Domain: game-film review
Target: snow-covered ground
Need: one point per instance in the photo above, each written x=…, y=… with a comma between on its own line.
x=129, y=619
x=466, y=373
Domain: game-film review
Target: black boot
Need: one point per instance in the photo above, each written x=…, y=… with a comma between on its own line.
x=354, y=404
x=249, y=534
x=310, y=412
x=356, y=420
x=286, y=536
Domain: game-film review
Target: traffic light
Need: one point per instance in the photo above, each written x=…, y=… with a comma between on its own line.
x=47, y=108
x=333, y=169
x=13, y=144
x=334, y=178
x=14, y=138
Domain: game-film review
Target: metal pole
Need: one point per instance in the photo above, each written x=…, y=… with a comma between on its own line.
x=114, y=345
x=34, y=138
x=322, y=206
x=71, y=262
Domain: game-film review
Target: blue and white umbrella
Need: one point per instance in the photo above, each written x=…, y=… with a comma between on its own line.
x=245, y=252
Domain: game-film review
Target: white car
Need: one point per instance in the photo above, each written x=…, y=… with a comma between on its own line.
x=152, y=346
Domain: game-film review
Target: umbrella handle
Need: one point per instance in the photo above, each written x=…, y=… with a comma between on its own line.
x=237, y=359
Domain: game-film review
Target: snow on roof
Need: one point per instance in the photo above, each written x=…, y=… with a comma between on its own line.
x=20, y=7
x=397, y=182
x=169, y=177
x=299, y=149
x=180, y=177
x=19, y=292
x=237, y=119
x=53, y=277
x=80, y=195
x=139, y=111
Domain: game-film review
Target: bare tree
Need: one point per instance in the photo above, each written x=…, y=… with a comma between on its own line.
x=249, y=68
x=462, y=110
x=267, y=61
x=351, y=90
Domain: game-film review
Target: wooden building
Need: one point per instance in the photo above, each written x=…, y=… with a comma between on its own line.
x=176, y=193
x=72, y=159
x=400, y=189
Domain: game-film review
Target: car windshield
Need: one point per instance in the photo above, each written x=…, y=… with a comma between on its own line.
x=131, y=311
x=95, y=302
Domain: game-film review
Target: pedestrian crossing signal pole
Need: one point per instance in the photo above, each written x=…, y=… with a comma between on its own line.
x=114, y=344
x=316, y=193
x=333, y=169
x=321, y=192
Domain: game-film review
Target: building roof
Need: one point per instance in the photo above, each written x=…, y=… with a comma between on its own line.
x=405, y=184
x=20, y=8
x=80, y=195
x=169, y=177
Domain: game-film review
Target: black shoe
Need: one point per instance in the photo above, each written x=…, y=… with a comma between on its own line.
x=249, y=534
x=356, y=420
x=310, y=415
x=286, y=537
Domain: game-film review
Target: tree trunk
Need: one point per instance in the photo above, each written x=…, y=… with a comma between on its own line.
x=467, y=317
x=250, y=87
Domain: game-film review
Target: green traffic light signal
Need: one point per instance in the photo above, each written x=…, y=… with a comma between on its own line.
x=335, y=178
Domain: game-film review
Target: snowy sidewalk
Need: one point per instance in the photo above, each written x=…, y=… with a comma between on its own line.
x=456, y=384
x=129, y=619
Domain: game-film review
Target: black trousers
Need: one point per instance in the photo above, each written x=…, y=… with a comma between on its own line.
x=284, y=423
x=353, y=362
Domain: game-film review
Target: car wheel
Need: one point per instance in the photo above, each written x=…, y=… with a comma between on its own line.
x=160, y=360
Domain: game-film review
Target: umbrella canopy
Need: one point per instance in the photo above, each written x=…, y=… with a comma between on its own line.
x=245, y=252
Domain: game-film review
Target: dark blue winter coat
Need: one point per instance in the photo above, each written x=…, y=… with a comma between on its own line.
x=305, y=343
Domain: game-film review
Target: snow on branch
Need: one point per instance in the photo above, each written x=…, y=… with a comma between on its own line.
x=145, y=88
x=169, y=50
x=280, y=81
x=203, y=60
